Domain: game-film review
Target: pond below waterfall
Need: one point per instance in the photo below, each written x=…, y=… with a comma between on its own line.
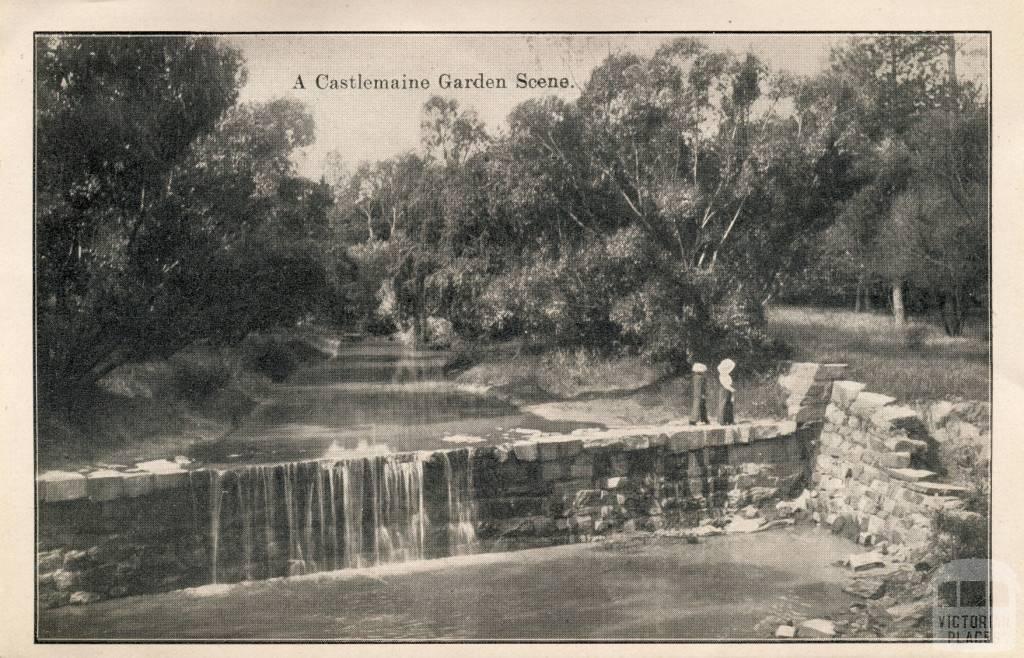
x=727, y=587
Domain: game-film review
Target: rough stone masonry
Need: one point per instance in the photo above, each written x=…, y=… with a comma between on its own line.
x=869, y=468
x=877, y=474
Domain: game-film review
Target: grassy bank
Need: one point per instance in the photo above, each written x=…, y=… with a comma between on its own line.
x=612, y=390
x=922, y=364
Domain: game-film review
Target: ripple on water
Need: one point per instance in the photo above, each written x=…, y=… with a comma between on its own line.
x=666, y=589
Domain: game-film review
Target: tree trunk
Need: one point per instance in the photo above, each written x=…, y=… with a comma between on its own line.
x=954, y=84
x=857, y=304
x=899, y=313
x=950, y=317
x=952, y=313
x=958, y=309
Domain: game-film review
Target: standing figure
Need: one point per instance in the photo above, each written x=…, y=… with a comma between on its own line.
x=725, y=392
x=699, y=410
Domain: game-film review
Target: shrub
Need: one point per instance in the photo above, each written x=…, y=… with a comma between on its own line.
x=620, y=294
x=685, y=316
x=276, y=360
x=961, y=534
x=440, y=332
x=194, y=378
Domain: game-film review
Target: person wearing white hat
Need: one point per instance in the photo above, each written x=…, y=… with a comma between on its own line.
x=725, y=393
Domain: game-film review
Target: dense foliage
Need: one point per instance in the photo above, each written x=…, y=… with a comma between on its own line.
x=914, y=223
x=656, y=213
x=166, y=214
x=678, y=194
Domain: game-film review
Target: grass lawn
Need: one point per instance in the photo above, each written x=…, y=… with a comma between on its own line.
x=929, y=366
x=920, y=364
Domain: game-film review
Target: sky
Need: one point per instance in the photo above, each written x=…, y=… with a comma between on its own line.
x=368, y=124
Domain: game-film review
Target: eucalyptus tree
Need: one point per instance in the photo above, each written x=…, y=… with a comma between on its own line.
x=166, y=213
x=710, y=188
x=419, y=219
x=905, y=101
x=114, y=119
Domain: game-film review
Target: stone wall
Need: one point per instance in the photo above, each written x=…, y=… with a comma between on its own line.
x=91, y=549
x=117, y=533
x=878, y=473
x=554, y=492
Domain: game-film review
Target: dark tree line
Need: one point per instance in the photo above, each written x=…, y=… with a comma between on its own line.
x=917, y=218
x=659, y=212
x=166, y=213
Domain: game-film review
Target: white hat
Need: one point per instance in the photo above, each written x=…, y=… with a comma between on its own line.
x=700, y=367
x=726, y=366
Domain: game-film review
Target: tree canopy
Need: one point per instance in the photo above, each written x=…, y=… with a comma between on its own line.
x=658, y=212
x=167, y=213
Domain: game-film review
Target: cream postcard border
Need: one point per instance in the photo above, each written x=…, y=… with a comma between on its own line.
x=18, y=20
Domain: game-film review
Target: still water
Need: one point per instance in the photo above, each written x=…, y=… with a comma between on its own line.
x=662, y=589
x=373, y=397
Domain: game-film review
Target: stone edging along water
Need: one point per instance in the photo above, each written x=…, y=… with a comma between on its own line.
x=165, y=525
x=114, y=533
x=107, y=482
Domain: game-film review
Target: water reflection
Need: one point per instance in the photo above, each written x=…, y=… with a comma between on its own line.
x=373, y=397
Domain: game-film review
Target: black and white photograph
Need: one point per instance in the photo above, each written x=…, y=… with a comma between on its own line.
x=465, y=337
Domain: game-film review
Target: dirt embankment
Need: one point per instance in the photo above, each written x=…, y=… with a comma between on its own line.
x=161, y=408
x=614, y=391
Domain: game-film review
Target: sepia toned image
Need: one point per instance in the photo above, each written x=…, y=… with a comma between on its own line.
x=466, y=337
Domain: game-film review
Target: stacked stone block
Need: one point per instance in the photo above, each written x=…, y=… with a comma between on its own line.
x=113, y=532
x=560, y=490
x=809, y=386
x=875, y=472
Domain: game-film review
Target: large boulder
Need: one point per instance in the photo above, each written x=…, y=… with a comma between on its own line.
x=868, y=587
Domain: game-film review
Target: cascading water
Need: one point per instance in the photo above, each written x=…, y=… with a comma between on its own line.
x=216, y=495
x=461, y=511
x=335, y=514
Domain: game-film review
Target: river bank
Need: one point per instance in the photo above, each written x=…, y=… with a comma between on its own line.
x=613, y=391
x=162, y=408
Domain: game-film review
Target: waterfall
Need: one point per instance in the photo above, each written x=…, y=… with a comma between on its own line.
x=352, y=514
x=461, y=511
x=334, y=514
x=216, y=496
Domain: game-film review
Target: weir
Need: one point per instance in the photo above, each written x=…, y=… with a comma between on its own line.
x=160, y=526
x=302, y=517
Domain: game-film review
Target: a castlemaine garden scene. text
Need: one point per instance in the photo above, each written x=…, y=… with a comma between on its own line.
x=523, y=337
